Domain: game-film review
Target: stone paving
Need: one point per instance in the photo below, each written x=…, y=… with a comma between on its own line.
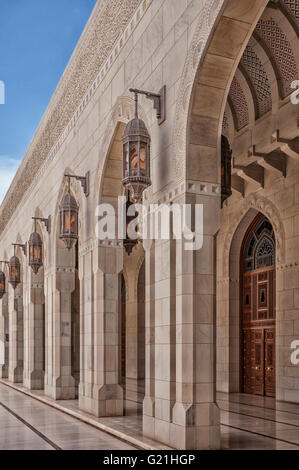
x=247, y=423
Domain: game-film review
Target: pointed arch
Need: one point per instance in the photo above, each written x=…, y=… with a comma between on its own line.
x=196, y=121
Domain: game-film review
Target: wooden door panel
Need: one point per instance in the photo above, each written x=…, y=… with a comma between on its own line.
x=248, y=351
x=270, y=362
x=258, y=332
x=258, y=362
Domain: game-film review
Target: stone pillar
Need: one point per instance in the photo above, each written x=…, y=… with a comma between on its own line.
x=133, y=385
x=180, y=407
x=106, y=392
x=149, y=399
x=165, y=349
x=196, y=417
x=59, y=383
x=16, y=334
x=131, y=346
x=4, y=337
x=34, y=333
x=86, y=333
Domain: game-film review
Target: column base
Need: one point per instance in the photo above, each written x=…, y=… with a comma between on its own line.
x=101, y=401
x=61, y=388
x=4, y=372
x=16, y=375
x=149, y=417
x=35, y=381
x=193, y=427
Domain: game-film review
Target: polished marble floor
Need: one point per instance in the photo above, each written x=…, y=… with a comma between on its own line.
x=31, y=425
x=250, y=422
x=247, y=423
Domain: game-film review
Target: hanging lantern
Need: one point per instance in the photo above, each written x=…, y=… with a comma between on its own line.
x=2, y=284
x=68, y=219
x=129, y=243
x=136, y=157
x=35, y=251
x=14, y=271
x=226, y=161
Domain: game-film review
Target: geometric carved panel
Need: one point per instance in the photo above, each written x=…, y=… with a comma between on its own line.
x=293, y=7
x=239, y=103
x=259, y=80
x=225, y=124
x=282, y=51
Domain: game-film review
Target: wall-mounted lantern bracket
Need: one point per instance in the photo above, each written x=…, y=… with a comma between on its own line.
x=24, y=247
x=84, y=180
x=159, y=101
x=47, y=222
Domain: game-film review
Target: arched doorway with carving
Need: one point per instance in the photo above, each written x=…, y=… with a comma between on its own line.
x=258, y=308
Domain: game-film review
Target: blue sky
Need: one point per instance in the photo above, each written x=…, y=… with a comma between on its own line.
x=37, y=38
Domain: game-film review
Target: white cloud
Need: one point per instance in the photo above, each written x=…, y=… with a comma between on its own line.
x=8, y=168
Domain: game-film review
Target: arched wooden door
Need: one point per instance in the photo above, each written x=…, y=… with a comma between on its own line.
x=258, y=309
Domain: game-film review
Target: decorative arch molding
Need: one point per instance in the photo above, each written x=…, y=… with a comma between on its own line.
x=266, y=207
x=195, y=55
x=209, y=25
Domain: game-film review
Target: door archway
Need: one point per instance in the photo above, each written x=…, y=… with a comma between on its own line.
x=257, y=276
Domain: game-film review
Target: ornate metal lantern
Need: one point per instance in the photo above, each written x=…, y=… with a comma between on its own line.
x=68, y=219
x=136, y=157
x=226, y=161
x=35, y=251
x=2, y=284
x=129, y=242
x=14, y=271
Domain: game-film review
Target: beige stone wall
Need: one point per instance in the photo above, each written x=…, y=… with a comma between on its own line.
x=158, y=43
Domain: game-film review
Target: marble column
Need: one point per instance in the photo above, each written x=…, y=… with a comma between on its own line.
x=150, y=307
x=134, y=384
x=59, y=383
x=180, y=407
x=16, y=334
x=131, y=348
x=34, y=333
x=196, y=418
x=86, y=332
x=106, y=392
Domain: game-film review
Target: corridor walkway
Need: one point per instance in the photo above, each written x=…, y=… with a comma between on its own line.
x=253, y=422
x=247, y=423
x=26, y=424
